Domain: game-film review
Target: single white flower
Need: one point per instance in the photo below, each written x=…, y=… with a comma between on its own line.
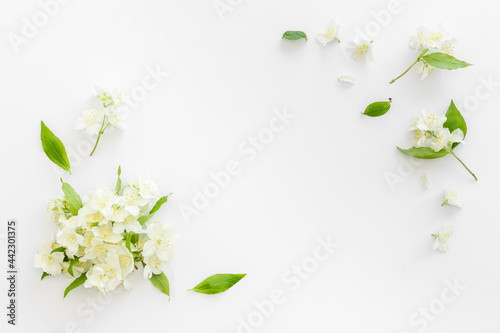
x=420, y=138
x=106, y=233
x=55, y=210
x=147, y=188
x=72, y=222
x=91, y=120
x=101, y=200
x=451, y=197
x=50, y=263
x=162, y=242
x=424, y=180
x=110, y=96
x=330, y=34
x=431, y=121
x=361, y=50
x=115, y=117
x=132, y=200
x=442, y=238
x=105, y=277
x=98, y=250
x=126, y=260
x=154, y=265
x=128, y=224
x=347, y=79
x=457, y=136
x=440, y=140
x=423, y=69
x=91, y=217
x=70, y=239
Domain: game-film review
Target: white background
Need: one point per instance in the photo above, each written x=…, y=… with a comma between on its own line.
x=324, y=175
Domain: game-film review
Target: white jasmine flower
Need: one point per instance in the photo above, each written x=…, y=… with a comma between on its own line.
x=73, y=222
x=133, y=200
x=420, y=139
x=147, y=188
x=162, y=242
x=126, y=260
x=101, y=200
x=119, y=214
x=424, y=180
x=457, y=136
x=361, y=50
x=442, y=238
x=50, y=263
x=424, y=69
x=154, y=265
x=347, y=79
x=110, y=96
x=441, y=139
x=90, y=217
x=55, y=210
x=431, y=121
x=106, y=233
x=451, y=197
x=98, y=250
x=105, y=277
x=330, y=34
x=115, y=117
x=70, y=239
x=129, y=224
x=91, y=121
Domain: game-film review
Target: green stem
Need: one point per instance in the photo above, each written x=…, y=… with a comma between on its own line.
x=465, y=166
x=101, y=132
x=406, y=71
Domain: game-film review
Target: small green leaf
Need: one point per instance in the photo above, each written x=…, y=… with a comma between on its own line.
x=58, y=249
x=455, y=120
x=424, y=153
x=160, y=281
x=294, y=35
x=118, y=186
x=377, y=109
x=444, y=61
x=131, y=237
x=54, y=148
x=73, y=199
x=218, y=283
x=156, y=207
x=73, y=262
x=44, y=275
x=76, y=283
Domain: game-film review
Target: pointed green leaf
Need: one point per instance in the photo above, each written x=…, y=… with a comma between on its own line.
x=218, y=283
x=76, y=283
x=444, y=61
x=59, y=249
x=294, y=35
x=455, y=120
x=377, y=109
x=131, y=237
x=54, y=148
x=44, y=275
x=73, y=199
x=76, y=260
x=156, y=207
x=118, y=186
x=160, y=281
x=424, y=153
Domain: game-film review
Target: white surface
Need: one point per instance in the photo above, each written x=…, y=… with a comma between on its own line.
x=324, y=175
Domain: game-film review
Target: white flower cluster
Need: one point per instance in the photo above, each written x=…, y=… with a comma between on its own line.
x=429, y=132
x=429, y=41
x=95, y=121
x=107, y=238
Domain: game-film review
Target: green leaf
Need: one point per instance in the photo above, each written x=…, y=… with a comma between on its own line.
x=58, y=249
x=73, y=199
x=294, y=35
x=156, y=207
x=54, y=148
x=218, y=283
x=73, y=262
x=160, y=281
x=133, y=238
x=444, y=61
x=424, y=153
x=377, y=109
x=118, y=186
x=76, y=283
x=455, y=120
x=44, y=275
